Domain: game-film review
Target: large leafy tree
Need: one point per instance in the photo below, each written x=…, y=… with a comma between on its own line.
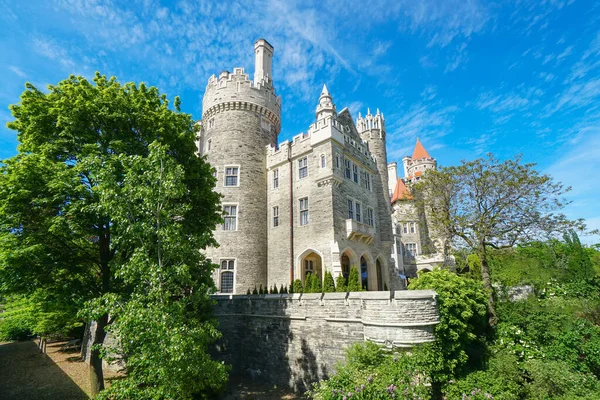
x=489, y=203
x=56, y=232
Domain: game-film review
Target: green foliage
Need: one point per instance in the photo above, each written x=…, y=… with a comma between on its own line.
x=274, y=290
x=315, y=285
x=463, y=324
x=260, y=290
x=248, y=292
x=340, y=284
x=328, y=283
x=555, y=380
x=354, y=282
x=297, y=286
x=255, y=291
x=283, y=289
x=372, y=374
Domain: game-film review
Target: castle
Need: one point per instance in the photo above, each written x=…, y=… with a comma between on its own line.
x=325, y=201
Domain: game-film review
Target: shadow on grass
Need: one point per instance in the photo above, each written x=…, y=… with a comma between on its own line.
x=26, y=374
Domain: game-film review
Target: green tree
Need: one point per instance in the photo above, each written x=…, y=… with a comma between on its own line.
x=461, y=331
x=164, y=326
x=491, y=204
x=340, y=284
x=354, y=284
x=328, y=283
x=315, y=285
x=55, y=235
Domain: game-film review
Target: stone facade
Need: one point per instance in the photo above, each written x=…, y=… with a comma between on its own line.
x=317, y=203
x=417, y=245
x=295, y=340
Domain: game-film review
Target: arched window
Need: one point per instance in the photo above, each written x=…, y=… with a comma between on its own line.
x=364, y=273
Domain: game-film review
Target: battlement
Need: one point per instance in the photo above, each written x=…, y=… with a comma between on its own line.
x=371, y=122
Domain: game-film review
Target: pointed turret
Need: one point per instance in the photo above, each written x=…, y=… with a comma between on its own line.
x=401, y=192
x=326, y=107
x=420, y=151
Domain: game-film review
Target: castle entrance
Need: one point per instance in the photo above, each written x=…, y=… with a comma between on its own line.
x=311, y=264
x=364, y=273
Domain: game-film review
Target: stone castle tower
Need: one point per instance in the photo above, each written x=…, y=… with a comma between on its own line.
x=318, y=203
x=240, y=118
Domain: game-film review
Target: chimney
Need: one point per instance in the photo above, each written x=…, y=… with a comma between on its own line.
x=263, y=62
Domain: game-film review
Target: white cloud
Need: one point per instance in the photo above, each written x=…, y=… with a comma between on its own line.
x=17, y=71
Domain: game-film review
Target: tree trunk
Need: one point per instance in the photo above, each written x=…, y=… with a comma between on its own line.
x=96, y=373
x=487, y=284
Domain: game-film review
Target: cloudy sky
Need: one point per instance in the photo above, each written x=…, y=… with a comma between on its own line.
x=465, y=76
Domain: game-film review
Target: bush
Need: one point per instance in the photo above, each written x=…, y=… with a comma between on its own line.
x=328, y=284
x=297, y=286
x=554, y=379
x=354, y=284
x=340, y=284
x=283, y=289
x=315, y=285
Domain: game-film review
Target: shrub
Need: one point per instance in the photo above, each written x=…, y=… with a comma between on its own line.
x=275, y=291
x=315, y=285
x=283, y=289
x=255, y=291
x=297, y=286
x=340, y=284
x=328, y=284
x=248, y=293
x=354, y=284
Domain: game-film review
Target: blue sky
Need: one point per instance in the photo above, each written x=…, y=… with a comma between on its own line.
x=465, y=76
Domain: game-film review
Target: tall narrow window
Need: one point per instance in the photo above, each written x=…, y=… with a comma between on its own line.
x=230, y=218
x=275, y=216
x=355, y=173
x=348, y=172
x=412, y=227
x=370, y=217
x=411, y=249
x=337, y=161
x=405, y=228
x=350, y=209
x=358, y=212
x=227, y=268
x=275, y=178
x=215, y=172
x=208, y=144
x=304, y=211
x=231, y=176
x=368, y=176
x=303, y=168
x=323, y=161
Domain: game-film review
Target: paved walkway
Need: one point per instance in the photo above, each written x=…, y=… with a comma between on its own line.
x=26, y=374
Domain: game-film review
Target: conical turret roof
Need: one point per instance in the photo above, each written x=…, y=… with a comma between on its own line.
x=401, y=192
x=420, y=151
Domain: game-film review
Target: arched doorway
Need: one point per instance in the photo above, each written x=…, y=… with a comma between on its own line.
x=345, y=263
x=379, y=275
x=364, y=273
x=311, y=263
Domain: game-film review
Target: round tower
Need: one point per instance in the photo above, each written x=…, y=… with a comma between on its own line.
x=240, y=118
x=420, y=162
x=372, y=131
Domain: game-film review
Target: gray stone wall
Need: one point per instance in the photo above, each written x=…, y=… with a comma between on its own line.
x=296, y=339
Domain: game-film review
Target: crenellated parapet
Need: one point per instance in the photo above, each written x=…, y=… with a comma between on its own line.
x=235, y=91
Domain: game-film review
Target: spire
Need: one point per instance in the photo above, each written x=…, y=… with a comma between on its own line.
x=325, y=106
x=401, y=192
x=420, y=151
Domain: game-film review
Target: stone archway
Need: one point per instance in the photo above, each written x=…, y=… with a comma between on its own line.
x=368, y=271
x=311, y=263
x=364, y=273
x=379, y=271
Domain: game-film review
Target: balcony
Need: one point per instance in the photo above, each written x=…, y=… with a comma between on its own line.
x=359, y=231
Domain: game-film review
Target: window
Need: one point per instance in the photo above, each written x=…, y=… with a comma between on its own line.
x=412, y=227
x=275, y=179
x=411, y=249
x=215, y=171
x=347, y=165
x=211, y=123
x=303, y=168
x=231, y=176
x=227, y=268
x=208, y=144
x=355, y=172
x=304, y=211
x=358, y=212
x=370, y=217
x=323, y=161
x=276, y=216
x=309, y=267
x=350, y=209
x=337, y=161
x=230, y=218
x=368, y=176
x=405, y=228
